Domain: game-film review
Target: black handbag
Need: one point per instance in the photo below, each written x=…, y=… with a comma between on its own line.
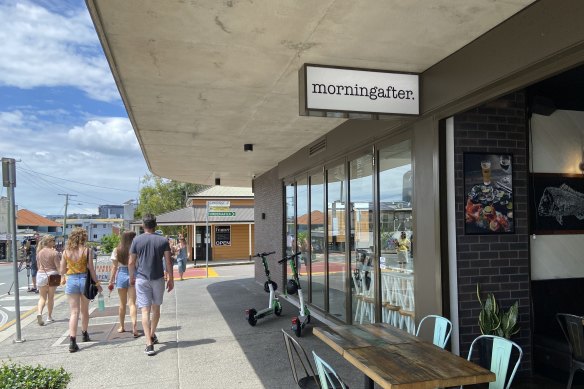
x=90, y=290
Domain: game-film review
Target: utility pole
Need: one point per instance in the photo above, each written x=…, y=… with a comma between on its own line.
x=9, y=181
x=65, y=216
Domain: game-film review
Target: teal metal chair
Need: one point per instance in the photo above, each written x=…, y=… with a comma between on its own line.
x=329, y=379
x=442, y=329
x=573, y=328
x=299, y=360
x=500, y=358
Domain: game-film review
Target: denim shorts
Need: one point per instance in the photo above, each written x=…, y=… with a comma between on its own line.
x=149, y=292
x=123, y=278
x=75, y=283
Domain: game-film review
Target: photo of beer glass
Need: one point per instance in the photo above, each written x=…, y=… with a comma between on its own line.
x=486, y=169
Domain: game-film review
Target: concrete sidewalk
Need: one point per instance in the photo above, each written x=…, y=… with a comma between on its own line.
x=205, y=341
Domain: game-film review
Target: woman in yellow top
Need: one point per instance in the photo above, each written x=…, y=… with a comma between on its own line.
x=403, y=247
x=48, y=264
x=77, y=258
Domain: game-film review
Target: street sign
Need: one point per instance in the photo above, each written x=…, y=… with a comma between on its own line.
x=218, y=206
x=221, y=213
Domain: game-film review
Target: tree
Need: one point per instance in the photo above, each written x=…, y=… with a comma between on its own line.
x=159, y=195
x=109, y=242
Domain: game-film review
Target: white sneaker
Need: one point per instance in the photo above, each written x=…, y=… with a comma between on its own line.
x=49, y=320
x=40, y=320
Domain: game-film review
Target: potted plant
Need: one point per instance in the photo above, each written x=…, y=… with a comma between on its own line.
x=495, y=321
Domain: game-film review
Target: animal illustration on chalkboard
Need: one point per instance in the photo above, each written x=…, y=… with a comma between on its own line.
x=560, y=202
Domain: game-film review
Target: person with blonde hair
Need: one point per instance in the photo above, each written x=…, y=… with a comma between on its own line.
x=48, y=263
x=120, y=277
x=77, y=258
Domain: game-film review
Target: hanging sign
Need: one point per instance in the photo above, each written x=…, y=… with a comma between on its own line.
x=222, y=235
x=338, y=89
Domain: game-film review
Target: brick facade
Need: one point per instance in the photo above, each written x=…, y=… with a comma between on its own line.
x=499, y=263
x=269, y=232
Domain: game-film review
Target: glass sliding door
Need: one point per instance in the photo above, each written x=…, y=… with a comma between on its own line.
x=317, y=239
x=290, y=222
x=302, y=230
x=396, y=261
x=336, y=240
x=362, y=242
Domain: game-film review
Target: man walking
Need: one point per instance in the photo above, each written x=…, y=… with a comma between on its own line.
x=147, y=274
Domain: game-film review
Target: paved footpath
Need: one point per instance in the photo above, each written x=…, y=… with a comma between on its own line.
x=205, y=341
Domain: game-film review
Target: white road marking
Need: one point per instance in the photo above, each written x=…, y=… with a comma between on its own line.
x=21, y=297
x=2, y=283
x=3, y=318
x=23, y=308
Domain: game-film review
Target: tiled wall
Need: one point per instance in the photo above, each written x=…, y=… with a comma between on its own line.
x=269, y=232
x=499, y=263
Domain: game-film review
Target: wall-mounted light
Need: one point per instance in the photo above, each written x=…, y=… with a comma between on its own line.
x=217, y=181
x=248, y=147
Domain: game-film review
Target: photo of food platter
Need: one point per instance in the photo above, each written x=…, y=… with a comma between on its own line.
x=488, y=188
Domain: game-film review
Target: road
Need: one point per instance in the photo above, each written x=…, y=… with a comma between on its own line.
x=27, y=300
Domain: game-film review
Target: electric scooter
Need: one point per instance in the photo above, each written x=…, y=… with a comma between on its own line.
x=293, y=287
x=274, y=306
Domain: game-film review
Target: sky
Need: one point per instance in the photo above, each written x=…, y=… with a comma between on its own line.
x=61, y=115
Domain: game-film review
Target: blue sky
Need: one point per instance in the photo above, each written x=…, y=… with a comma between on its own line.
x=60, y=111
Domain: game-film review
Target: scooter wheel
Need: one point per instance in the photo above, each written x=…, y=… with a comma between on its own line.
x=251, y=318
x=278, y=309
x=298, y=329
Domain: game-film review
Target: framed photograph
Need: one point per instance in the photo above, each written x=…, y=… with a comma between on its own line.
x=557, y=203
x=488, y=187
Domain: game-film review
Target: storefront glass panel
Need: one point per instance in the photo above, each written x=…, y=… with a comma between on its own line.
x=317, y=239
x=362, y=246
x=290, y=220
x=302, y=232
x=336, y=241
x=395, y=216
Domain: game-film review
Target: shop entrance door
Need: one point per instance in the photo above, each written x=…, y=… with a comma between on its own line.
x=200, y=247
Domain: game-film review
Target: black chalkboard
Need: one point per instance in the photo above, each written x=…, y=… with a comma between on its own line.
x=222, y=235
x=557, y=203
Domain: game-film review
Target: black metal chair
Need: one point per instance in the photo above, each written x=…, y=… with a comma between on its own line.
x=299, y=360
x=573, y=328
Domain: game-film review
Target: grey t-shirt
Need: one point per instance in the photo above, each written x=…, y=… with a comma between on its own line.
x=149, y=249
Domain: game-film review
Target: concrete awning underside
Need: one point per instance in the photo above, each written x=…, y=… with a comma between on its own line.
x=202, y=78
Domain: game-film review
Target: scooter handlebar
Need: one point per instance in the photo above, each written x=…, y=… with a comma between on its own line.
x=264, y=254
x=289, y=257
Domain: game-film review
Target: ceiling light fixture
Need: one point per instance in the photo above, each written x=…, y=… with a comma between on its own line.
x=248, y=147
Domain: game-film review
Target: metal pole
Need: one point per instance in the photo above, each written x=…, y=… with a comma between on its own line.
x=9, y=178
x=207, y=238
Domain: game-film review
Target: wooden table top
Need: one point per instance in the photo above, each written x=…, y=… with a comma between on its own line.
x=395, y=359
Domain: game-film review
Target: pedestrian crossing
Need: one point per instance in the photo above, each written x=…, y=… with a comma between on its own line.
x=28, y=302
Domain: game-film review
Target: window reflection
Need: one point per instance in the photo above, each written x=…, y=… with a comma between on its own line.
x=362, y=238
x=397, y=258
x=317, y=239
x=336, y=240
x=302, y=236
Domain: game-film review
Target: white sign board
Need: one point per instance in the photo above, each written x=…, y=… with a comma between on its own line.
x=358, y=90
x=218, y=206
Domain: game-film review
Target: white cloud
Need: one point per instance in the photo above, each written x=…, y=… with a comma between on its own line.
x=42, y=48
x=103, y=152
x=108, y=136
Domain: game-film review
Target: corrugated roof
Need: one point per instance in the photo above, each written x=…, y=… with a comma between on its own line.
x=224, y=191
x=24, y=218
x=191, y=215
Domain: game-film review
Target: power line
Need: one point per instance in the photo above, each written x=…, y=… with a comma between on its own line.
x=81, y=183
x=39, y=176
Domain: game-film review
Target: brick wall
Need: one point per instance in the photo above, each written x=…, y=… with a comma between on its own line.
x=269, y=232
x=499, y=263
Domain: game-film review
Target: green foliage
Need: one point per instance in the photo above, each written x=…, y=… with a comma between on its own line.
x=159, y=195
x=494, y=321
x=13, y=376
x=109, y=242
